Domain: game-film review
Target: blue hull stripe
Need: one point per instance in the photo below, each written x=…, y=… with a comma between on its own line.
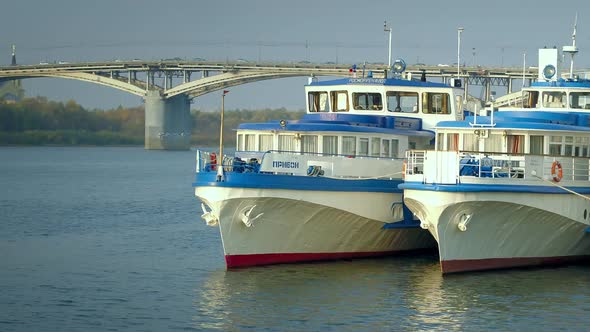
x=273, y=181
x=492, y=188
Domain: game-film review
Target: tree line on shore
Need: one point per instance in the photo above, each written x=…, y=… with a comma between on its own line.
x=38, y=121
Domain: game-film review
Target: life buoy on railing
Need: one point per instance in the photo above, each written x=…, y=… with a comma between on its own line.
x=213, y=161
x=404, y=169
x=556, y=171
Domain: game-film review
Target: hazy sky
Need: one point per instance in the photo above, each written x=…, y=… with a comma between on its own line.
x=342, y=31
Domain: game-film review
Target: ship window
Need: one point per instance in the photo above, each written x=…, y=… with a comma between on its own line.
x=494, y=143
x=453, y=142
x=395, y=148
x=580, y=100
x=555, y=145
x=367, y=101
x=440, y=139
x=309, y=143
x=568, y=146
x=249, y=142
x=385, y=151
x=515, y=143
x=287, y=142
x=375, y=146
x=349, y=145
x=436, y=103
x=531, y=98
x=240, y=143
x=459, y=106
x=339, y=101
x=363, y=146
x=330, y=145
x=581, y=147
x=265, y=142
x=554, y=99
x=400, y=101
x=318, y=101
x=470, y=142
x=536, y=144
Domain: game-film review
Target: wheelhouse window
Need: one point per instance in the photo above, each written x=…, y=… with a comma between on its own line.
x=240, y=143
x=532, y=99
x=287, y=142
x=330, y=145
x=367, y=101
x=265, y=142
x=309, y=143
x=580, y=100
x=436, y=103
x=339, y=101
x=554, y=99
x=402, y=101
x=318, y=101
x=349, y=145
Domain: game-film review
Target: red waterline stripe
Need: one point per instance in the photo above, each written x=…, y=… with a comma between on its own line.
x=466, y=265
x=267, y=259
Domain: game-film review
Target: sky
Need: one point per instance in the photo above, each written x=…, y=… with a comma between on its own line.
x=497, y=33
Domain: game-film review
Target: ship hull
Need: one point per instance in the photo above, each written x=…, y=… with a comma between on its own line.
x=261, y=226
x=503, y=229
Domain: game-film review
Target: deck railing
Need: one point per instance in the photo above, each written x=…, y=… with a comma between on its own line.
x=304, y=164
x=451, y=167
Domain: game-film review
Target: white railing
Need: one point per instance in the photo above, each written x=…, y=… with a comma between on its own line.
x=451, y=167
x=305, y=164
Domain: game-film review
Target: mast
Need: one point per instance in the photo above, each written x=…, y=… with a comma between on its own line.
x=572, y=50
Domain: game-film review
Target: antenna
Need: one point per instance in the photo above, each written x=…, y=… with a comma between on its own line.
x=572, y=50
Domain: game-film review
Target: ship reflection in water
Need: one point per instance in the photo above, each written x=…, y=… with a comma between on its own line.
x=400, y=293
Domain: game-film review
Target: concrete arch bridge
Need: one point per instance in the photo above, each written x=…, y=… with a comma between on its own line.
x=168, y=86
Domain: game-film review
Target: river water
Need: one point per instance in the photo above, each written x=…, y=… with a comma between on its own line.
x=110, y=239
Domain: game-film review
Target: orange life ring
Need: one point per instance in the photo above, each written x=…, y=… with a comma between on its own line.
x=556, y=171
x=213, y=161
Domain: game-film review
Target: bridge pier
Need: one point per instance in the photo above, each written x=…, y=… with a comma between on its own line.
x=168, y=122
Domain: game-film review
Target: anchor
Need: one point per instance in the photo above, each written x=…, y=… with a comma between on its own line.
x=245, y=216
x=209, y=217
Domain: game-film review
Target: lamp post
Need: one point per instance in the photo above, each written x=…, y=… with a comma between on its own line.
x=388, y=29
x=220, y=163
x=459, y=30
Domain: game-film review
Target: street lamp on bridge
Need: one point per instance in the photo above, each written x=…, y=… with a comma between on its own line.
x=459, y=31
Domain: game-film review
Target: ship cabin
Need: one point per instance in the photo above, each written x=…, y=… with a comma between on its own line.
x=364, y=117
x=511, y=141
x=540, y=133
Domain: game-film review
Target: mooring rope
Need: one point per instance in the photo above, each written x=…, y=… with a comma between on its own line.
x=559, y=186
